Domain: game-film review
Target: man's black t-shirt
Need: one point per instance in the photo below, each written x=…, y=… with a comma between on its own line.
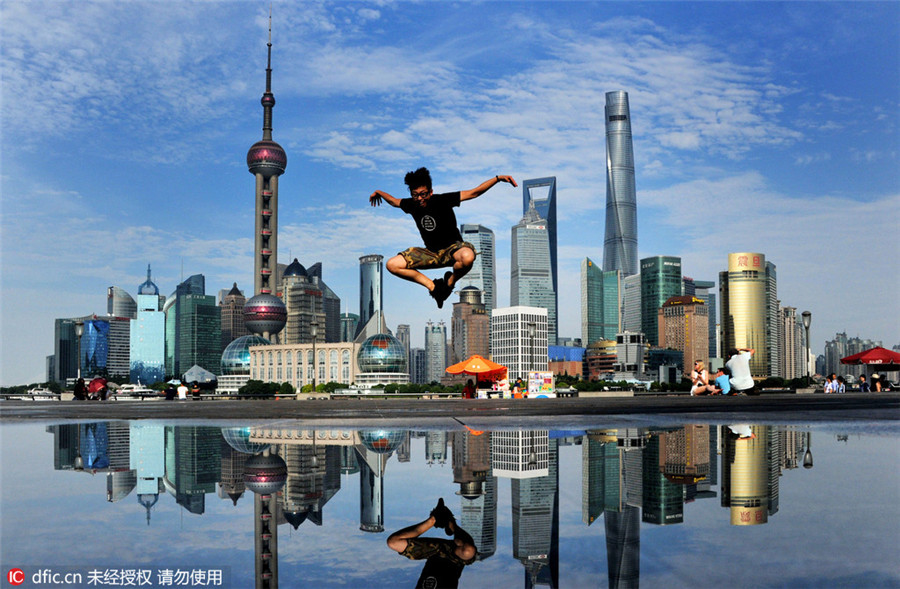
x=436, y=220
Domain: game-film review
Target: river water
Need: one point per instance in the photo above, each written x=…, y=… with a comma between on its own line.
x=141, y=503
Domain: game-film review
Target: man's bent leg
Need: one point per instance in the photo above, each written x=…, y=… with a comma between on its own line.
x=398, y=267
x=463, y=259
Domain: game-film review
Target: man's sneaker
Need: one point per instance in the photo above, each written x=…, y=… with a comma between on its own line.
x=442, y=515
x=440, y=292
x=446, y=289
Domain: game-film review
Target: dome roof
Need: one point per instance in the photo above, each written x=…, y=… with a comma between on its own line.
x=267, y=158
x=236, y=357
x=381, y=441
x=295, y=268
x=265, y=313
x=239, y=439
x=382, y=352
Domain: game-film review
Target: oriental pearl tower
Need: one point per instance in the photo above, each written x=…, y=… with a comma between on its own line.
x=265, y=314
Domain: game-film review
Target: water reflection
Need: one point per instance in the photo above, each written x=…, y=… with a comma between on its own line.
x=630, y=476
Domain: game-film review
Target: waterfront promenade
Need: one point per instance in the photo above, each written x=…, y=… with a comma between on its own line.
x=487, y=414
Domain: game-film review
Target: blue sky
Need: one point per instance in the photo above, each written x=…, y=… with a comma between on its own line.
x=765, y=127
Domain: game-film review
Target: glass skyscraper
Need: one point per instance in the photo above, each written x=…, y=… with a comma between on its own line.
x=660, y=280
x=531, y=272
x=119, y=303
x=370, y=289
x=148, y=337
x=620, y=241
x=541, y=193
x=483, y=274
x=600, y=298
x=435, y=351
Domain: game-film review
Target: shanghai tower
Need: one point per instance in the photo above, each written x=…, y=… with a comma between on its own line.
x=620, y=241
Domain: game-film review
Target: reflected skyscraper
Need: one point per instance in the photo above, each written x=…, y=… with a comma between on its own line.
x=620, y=242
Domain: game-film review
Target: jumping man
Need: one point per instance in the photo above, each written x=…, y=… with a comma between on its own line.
x=437, y=225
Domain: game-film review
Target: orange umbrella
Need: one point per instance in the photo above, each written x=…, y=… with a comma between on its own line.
x=478, y=366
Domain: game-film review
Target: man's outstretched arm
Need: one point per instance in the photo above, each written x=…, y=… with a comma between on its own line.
x=397, y=540
x=484, y=186
x=378, y=195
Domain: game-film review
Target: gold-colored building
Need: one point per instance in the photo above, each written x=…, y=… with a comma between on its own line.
x=744, y=292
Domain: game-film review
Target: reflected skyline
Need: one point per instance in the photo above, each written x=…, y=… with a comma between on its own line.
x=632, y=477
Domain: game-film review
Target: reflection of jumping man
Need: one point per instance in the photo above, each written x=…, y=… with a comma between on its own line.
x=445, y=558
x=437, y=225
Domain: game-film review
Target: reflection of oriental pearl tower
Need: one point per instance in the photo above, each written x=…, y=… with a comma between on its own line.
x=265, y=314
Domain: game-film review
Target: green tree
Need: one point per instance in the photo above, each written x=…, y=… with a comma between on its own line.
x=286, y=388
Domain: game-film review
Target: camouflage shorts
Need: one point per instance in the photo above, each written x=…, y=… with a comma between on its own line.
x=421, y=258
x=422, y=548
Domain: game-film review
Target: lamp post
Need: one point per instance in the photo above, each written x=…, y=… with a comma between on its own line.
x=79, y=331
x=807, y=457
x=807, y=319
x=531, y=330
x=314, y=331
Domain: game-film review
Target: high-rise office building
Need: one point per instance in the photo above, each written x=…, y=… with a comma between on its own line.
x=349, y=324
x=148, y=337
x=541, y=193
x=435, y=351
x=773, y=320
x=531, y=268
x=303, y=300
x=660, y=280
x=331, y=304
x=705, y=291
x=470, y=326
x=403, y=338
x=193, y=328
x=600, y=300
x=483, y=274
x=417, y=366
x=631, y=303
x=743, y=291
x=519, y=339
x=370, y=289
x=620, y=242
x=231, y=310
x=792, y=344
x=199, y=332
x=684, y=326
x=119, y=303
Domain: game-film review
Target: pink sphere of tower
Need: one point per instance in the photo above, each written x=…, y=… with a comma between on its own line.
x=265, y=314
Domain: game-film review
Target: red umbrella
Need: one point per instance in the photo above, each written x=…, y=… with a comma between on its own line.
x=97, y=385
x=882, y=358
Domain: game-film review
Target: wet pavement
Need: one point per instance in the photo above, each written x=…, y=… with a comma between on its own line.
x=494, y=413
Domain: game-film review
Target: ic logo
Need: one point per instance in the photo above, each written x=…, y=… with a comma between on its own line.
x=428, y=223
x=15, y=576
